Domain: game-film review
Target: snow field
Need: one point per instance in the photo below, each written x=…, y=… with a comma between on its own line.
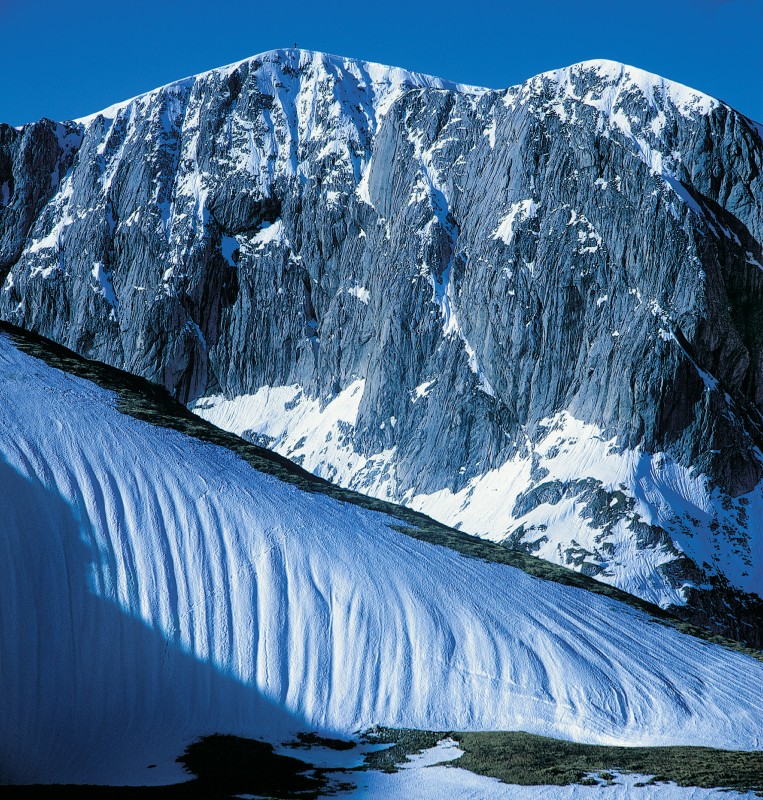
x=155, y=588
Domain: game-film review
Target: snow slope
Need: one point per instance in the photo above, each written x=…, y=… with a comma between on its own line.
x=154, y=588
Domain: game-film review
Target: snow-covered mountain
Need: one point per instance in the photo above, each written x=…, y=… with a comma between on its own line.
x=531, y=313
x=154, y=588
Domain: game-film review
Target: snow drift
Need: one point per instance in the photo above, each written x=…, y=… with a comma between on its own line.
x=154, y=588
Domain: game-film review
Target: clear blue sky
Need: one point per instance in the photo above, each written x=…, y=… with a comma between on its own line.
x=66, y=59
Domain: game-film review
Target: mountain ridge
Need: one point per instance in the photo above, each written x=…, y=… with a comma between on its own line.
x=468, y=303
x=277, y=54
x=589, y=64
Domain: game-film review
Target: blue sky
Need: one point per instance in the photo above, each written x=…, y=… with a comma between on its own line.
x=67, y=59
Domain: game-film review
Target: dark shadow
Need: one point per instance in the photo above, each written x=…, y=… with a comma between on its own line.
x=232, y=765
x=223, y=767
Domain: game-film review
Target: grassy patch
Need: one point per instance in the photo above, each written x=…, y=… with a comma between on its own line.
x=152, y=403
x=526, y=759
x=529, y=760
x=306, y=741
x=403, y=742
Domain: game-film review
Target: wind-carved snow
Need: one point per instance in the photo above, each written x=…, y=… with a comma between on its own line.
x=164, y=589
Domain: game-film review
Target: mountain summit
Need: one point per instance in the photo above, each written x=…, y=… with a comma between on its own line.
x=531, y=313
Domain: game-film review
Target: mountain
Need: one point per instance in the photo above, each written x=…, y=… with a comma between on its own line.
x=534, y=314
x=155, y=587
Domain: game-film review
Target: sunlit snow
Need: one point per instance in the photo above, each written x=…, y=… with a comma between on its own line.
x=155, y=588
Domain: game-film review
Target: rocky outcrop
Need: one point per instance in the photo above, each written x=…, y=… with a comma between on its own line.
x=533, y=313
x=33, y=161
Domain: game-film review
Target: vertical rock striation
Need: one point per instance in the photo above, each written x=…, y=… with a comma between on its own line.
x=533, y=313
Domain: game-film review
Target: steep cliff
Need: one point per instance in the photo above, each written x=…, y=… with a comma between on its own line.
x=533, y=313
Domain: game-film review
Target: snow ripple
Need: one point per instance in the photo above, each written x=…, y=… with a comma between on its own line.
x=155, y=588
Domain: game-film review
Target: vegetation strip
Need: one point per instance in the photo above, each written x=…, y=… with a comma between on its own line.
x=530, y=760
x=149, y=402
x=527, y=759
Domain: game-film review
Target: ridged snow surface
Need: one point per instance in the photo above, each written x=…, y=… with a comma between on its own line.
x=155, y=588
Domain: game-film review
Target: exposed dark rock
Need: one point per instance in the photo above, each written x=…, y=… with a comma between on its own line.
x=587, y=243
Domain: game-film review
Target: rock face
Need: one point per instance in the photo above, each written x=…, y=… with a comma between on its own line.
x=534, y=313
